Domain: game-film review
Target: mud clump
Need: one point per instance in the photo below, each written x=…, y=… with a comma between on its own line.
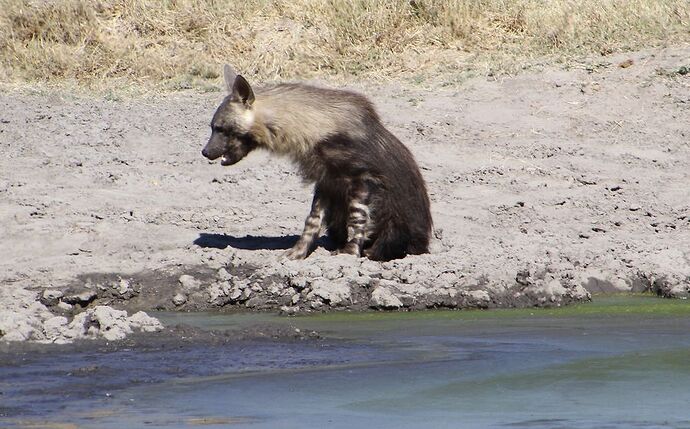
x=26, y=318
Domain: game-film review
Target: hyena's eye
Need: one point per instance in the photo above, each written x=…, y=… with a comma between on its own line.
x=222, y=130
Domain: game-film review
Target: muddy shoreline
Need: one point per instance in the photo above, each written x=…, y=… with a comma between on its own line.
x=545, y=187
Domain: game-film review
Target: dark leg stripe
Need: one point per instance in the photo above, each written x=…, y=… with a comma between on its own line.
x=358, y=211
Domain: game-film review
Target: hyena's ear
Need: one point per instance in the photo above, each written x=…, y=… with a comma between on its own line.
x=242, y=91
x=230, y=75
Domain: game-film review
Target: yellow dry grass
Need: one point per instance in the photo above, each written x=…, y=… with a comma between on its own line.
x=173, y=44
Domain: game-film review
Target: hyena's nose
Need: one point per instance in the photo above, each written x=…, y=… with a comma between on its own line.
x=204, y=152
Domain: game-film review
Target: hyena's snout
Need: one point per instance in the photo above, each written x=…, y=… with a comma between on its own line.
x=204, y=152
x=214, y=149
x=229, y=150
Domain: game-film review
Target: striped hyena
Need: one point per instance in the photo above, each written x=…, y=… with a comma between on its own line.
x=368, y=189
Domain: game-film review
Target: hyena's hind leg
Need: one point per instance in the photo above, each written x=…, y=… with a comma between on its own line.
x=312, y=228
x=358, y=218
x=391, y=243
x=335, y=218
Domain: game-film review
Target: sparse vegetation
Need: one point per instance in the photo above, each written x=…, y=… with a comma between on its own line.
x=182, y=43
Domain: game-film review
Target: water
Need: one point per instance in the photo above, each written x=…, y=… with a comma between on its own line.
x=618, y=363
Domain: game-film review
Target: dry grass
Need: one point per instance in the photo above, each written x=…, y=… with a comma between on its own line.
x=182, y=43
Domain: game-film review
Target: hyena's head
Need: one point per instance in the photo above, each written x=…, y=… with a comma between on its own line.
x=231, y=136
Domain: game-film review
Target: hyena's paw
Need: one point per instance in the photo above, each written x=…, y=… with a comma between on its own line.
x=350, y=249
x=297, y=252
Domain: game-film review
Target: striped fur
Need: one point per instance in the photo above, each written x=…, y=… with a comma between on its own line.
x=368, y=190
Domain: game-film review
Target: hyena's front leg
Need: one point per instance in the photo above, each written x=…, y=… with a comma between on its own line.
x=357, y=218
x=312, y=227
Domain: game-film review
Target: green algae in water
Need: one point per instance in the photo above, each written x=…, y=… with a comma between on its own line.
x=601, y=305
x=346, y=323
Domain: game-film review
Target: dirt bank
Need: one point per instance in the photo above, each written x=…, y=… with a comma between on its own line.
x=542, y=186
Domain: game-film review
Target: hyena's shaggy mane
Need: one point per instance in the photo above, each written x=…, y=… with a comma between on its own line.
x=290, y=119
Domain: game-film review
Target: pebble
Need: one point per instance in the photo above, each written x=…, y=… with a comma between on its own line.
x=83, y=298
x=179, y=299
x=51, y=296
x=189, y=282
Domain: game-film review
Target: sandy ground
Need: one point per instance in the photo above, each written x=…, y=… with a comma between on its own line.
x=544, y=187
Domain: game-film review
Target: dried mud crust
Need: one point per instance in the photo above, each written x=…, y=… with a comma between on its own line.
x=543, y=186
x=262, y=281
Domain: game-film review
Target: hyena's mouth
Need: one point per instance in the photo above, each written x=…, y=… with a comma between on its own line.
x=227, y=160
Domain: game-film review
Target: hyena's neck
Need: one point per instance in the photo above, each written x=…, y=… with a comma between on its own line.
x=271, y=135
x=294, y=119
x=278, y=135
x=291, y=119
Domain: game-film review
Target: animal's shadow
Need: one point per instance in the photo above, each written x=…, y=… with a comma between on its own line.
x=251, y=242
